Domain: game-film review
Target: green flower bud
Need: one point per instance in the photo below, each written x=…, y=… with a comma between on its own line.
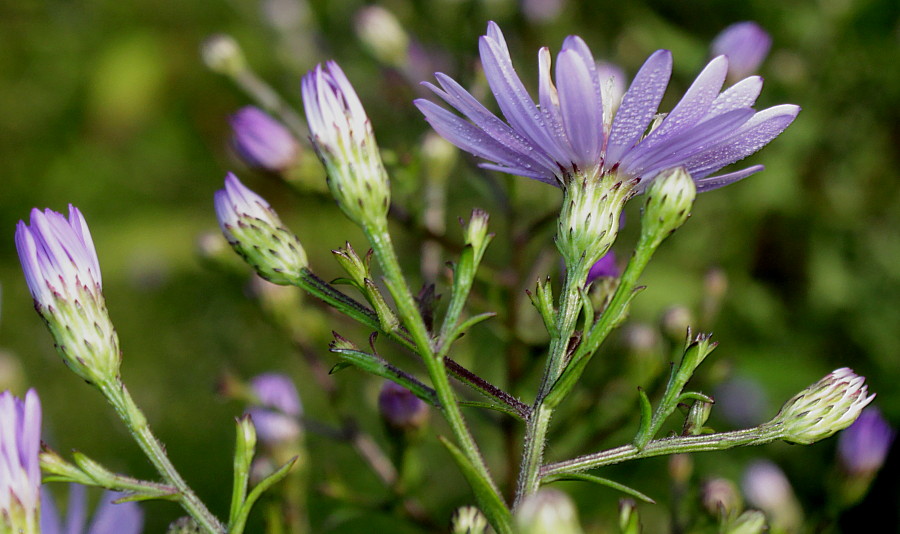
x=668, y=205
x=256, y=233
x=382, y=35
x=469, y=520
x=222, y=54
x=829, y=405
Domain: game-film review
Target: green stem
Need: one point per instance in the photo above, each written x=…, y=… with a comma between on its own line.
x=317, y=287
x=118, y=396
x=677, y=445
x=538, y=423
x=380, y=240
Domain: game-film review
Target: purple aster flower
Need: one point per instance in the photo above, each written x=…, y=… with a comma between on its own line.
x=745, y=44
x=605, y=267
x=262, y=141
x=400, y=408
x=20, y=471
x=110, y=518
x=863, y=447
x=345, y=143
x=564, y=134
x=276, y=418
x=63, y=275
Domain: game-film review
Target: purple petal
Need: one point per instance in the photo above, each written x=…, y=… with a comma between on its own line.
x=715, y=182
x=476, y=141
x=76, y=509
x=746, y=44
x=548, y=97
x=693, y=106
x=455, y=95
x=514, y=101
x=740, y=95
x=639, y=105
x=749, y=138
x=675, y=150
x=112, y=518
x=580, y=106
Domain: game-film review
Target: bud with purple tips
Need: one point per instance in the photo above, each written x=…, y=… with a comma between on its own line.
x=262, y=141
x=345, y=143
x=746, y=45
x=20, y=473
x=256, y=233
x=63, y=275
x=824, y=408
x=109, y=518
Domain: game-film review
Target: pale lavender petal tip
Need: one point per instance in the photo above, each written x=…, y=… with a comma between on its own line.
x=261, y=141
x=864, y=445
x=20, y=441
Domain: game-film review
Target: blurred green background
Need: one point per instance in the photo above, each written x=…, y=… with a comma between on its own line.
x=107, y=105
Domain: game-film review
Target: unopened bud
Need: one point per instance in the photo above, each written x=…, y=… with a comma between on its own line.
x=400, y=408
x=382, y=35
x=829, y=405
x=669, y=200
x=261, y=141
x=476, y=232
x=345, y=143
x=863, y=447
x=222, y=54
x=721, y=497
x=469, y=520
x=629, y=520
x=63, y=274
x=548, y=512
x=256, y=233
x=767, y=488
x=697, y=416
x=276, y=416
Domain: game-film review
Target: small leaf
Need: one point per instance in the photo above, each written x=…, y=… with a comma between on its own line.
x=603, y=482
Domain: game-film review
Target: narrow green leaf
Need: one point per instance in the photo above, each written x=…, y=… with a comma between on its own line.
x=643, y=436
x=488, y=500
x=237, y=525
x=603, y=482
x=502, y=408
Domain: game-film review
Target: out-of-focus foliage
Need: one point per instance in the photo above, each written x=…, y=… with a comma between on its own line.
x=107, y=105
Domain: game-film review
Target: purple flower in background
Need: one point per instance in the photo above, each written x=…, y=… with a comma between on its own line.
x=276, y=418
x=20, y=472
x=400, y=407
x=262, y=141
x=605, y=267
x=863, y=446
x=58, y=256
x=110, y=518
x=564, y=134
x=745, y=44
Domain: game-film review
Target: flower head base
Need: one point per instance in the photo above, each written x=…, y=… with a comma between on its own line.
x=573, y=130
x=824, y=408
x=20, y=473
x=343, y=138
x=256, y=233
x=863, y=447
x=745, y=44
x=548, y=511
x=63, y=275
x=589, y=221
x=262, y=141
